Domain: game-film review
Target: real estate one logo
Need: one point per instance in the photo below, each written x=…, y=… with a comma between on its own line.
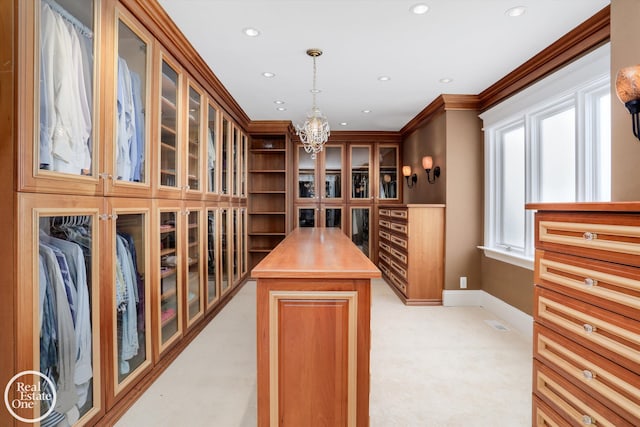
x=31, y=389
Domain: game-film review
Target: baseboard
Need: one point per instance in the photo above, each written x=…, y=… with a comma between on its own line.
x=516, y=319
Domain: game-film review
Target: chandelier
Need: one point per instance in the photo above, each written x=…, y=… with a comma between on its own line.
x=314, y=132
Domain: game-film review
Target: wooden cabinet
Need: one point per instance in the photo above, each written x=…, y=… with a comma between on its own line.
x=124, y=166
x=313, y=309
x=411, y=251
x=268, y=222
x=587, y=326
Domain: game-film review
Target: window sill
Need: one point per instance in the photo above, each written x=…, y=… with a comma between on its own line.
x=504, y=256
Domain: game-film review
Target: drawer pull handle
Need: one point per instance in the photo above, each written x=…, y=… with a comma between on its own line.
x=588, y=375
x=590, y=236
x=588, y=421
x=589, y=328
x=589, y=282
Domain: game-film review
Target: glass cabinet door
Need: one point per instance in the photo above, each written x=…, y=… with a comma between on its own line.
x=235, y=248
x=212, y=134
x=360, y=229
x=212, y=259
x=169, y=144
x=243, y=164
x=360, y=172
x=224, y=154
x=235, y=167
x=333, y=165
x=243, y=242
x=332, y=217
x=194, y=132
x=66, y=324
x=307, y=216
x=388, y=172
x=225, y=247
x=170, y=293
x=306, y=187
x=194, y=274
x=132, y=340
x=131, y=153
x=67, y=73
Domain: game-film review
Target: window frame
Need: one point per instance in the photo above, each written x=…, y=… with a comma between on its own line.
x=578, y=85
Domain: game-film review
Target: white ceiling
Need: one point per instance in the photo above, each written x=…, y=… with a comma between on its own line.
x=472, y=42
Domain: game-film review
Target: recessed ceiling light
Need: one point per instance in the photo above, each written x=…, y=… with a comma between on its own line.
x=268, y=74
x=315, y=90
x=281, y=109
x=251, y=32
x=384, y=78
x=343, y=123
x=419, y=9
x=446, y=80
x=366, y=111
x=278, y=102
x=516, y=11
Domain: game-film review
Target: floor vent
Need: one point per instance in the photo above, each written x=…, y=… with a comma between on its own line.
x=497, y=325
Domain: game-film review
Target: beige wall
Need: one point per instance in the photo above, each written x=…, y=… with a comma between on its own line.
x=511, y=284
x=464, y=189
x=454, y=140
x=625, y=148
x=428, y=140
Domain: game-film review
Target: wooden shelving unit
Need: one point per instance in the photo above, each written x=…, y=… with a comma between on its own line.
x=267, y=171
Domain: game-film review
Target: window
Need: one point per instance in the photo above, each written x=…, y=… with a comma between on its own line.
x=548, y=143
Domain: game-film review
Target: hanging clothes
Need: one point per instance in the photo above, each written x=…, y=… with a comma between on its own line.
x=65, y=112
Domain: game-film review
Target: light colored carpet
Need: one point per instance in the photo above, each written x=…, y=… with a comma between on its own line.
x=430, y=366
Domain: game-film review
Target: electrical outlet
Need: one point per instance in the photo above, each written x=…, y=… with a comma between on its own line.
x=463, y=283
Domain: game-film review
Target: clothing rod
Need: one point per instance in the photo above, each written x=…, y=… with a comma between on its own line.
x=69, y=18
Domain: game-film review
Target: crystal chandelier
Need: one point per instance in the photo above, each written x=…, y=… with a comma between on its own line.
x=315, y=130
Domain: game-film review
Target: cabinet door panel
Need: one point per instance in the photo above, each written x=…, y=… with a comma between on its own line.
x=360, y=172
x=212, y=148
x=58, y=302
x=130, y=279
x=388, y=188
x=194, y=264
x=194, y=141
x=213, y=268
x=127, y=156
x=61, y=143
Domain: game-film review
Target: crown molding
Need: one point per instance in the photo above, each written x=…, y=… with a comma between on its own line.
x=587, y=36
x=442, y=103
x=270, y=127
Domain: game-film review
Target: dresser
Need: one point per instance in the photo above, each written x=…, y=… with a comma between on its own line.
x=586, y=344
x=411, y=251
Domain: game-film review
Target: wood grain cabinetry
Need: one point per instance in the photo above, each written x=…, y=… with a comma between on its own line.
x=122, y=180
x=586, y=312
x=411, y=251
x=268, y=221
x=313, y=310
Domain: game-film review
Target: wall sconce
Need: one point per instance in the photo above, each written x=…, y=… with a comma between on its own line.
x=628, y=90
x=406, y=172
x=427, y=164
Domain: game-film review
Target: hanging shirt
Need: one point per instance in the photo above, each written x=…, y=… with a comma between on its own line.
x=137, y=148
x=126, y=125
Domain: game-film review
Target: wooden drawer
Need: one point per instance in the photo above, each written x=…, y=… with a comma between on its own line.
x=384, y=246
x=400, y=256
x=591, y=235
x=399, y=241
x=607, y=285
x=400, y=228
x=544, y=416
x=384, y=235
x=384, y=223
x=616, y=387
x=613, y=336
x=399, y=269
x=392, y=278
x=573, y=404
x=385, y=257
x=384, y=212
x=399, y=213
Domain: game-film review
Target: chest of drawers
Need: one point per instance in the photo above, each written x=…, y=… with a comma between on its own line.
x=586, y=348
x=411, y=251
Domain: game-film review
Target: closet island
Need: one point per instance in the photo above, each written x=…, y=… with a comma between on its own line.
x=313, y=312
